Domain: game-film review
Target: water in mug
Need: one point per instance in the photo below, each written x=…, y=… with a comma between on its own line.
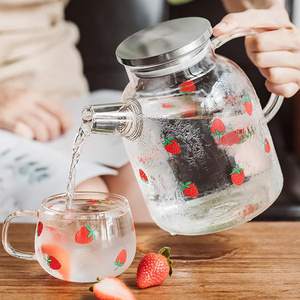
x=191, y=192
x=81, y=248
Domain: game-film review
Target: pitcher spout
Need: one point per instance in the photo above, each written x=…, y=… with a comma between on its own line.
x=121, y=119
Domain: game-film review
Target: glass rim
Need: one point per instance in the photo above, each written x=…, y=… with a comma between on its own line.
x=125, y=203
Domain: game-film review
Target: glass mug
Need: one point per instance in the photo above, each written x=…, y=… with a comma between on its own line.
x=94, y=239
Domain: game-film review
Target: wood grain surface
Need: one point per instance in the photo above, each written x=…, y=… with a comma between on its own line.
x=256, y=260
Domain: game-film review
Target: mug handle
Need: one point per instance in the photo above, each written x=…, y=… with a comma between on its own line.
x=275, y=101
x=6, y=245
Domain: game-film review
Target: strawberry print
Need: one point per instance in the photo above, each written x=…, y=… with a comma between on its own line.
x=52, y=262
x=267, y=146
x=248, y=105
x=131, y=224
x=171, y=146
x=187, y=87
x=189, y=189
x=121, y=259
x=218, y=128
x=94, y=201
x=237, y=175
x=143, y=176
x=85, y=235
x=39, y=229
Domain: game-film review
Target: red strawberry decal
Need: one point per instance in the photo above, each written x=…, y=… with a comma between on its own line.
x=94, y=201
x=237, y=175
x=143, y=176
x=39, y=228
x=85, y=235
x=131, y=224
x=171, y=146
x=187, y=87
x=154, y=268
x=248, y=105
x=121, y=259
x=189, y=189
x=111, y=288
x=267, y=146
x=218, y=128
x=52, y=262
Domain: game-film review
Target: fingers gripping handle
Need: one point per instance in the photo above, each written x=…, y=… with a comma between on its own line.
x=275, y=101
x=6, y=245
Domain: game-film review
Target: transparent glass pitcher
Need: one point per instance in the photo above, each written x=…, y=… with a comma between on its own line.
x=193, y=128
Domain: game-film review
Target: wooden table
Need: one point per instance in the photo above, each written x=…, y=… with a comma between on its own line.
x=257, y=260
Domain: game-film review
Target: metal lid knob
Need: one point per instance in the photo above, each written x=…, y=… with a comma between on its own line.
x=164, y=42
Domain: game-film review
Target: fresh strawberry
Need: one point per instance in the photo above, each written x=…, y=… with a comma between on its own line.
x=189, y=110
x=231, y=138
x=171, y=146
x=85, y=235
x=237, y=175
x=187, y=87
x=39, y=228
x=143, y=176
x=52, y=262
x=111, y=288
x=267, y=146
x=61, y=255
x=218, y=128
x=131, y=224
x=121, y=259
x=248, y=105
x=189, y=189
x=154, y=268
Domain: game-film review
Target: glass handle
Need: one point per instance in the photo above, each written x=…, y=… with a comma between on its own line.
x=275, y=101
x=6, y=245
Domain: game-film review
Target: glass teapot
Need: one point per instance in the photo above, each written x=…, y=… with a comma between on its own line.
x=193, y=128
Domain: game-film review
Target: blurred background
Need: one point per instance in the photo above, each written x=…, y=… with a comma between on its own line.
x=100, y=22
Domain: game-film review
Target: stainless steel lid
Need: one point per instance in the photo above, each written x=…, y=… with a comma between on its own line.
x=164, y=42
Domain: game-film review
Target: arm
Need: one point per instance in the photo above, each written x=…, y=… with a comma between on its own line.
x=32, y=115
x=276, y=50
x=234, y=6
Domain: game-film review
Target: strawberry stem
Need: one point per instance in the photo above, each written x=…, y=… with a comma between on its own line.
x=237, y=170
x=168, y=141
x=218, y=134
x=91, y=231
x=185, y=185
x=166, y=251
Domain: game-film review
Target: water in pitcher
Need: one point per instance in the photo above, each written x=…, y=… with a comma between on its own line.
x=193, y=177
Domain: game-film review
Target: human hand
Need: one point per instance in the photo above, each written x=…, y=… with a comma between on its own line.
x=275, y=51
x=31, y=115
